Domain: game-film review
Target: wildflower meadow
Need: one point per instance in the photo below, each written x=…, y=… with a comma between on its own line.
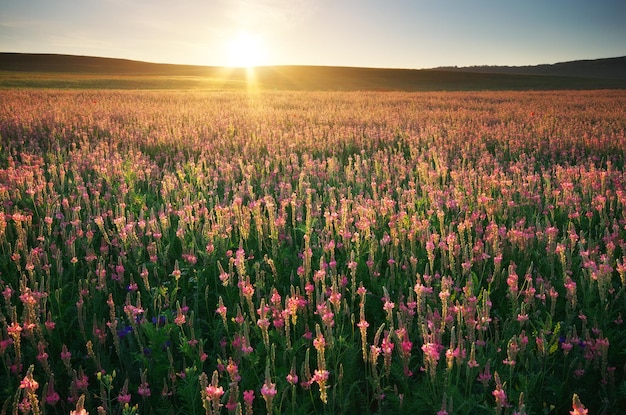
x=241, y=252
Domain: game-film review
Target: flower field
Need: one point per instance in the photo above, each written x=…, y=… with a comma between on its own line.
x=312, y=252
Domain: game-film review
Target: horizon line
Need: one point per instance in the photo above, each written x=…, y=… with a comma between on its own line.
x=311, y=65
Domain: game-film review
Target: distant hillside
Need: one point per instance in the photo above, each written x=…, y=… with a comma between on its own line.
x=43, y=62
x=609, y=68
x=67, y=71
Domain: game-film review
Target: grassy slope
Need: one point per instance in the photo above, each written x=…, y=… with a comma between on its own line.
x=614, y=68
x=64, y=71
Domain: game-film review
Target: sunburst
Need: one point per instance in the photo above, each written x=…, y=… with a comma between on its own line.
x=245, y=50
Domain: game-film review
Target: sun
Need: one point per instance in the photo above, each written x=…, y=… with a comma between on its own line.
x=245, y=50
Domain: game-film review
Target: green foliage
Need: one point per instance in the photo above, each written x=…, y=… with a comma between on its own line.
x=179, y=241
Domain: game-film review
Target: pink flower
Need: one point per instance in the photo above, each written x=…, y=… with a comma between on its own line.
x=144, y=390
x=499, y=394
x=66, y=355
x=319, y=342
x=268, y=390
x=566, y=346
x=248, y=397
x=484, y=377
x=431, y=352
x=82, y=381
x=7, y=293
x=210, y=248
x=247, y=289
x=263, y=323
x=176, y=273
x=52, y=398
x=320, y=376
x=578, y=407
x=14, y=330
x=80, y=407
x=292, y=378
x=50, y=325
x=388, y=306
x=361, y=291
x=29, y=383
x=387, y=345
x=123, y=398
x=180, y=319
x=407, y=346
x=214, y=392
x=233, y=370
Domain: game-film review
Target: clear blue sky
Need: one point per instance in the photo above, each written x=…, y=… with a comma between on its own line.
x=384, y=33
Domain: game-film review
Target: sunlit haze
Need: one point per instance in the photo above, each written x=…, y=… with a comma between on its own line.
x=246, y=50
x=368, y=33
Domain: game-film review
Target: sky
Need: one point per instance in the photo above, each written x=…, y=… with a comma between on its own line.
x=364, y=33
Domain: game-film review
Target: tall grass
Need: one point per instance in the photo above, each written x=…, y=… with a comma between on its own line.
x=318, y=252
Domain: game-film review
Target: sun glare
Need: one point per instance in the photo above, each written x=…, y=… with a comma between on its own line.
x=245, y=51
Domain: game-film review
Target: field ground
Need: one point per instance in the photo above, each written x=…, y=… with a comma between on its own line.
x=288, y=252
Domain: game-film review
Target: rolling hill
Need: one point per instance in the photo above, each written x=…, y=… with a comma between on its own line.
x=69, y=71
x=609, y=68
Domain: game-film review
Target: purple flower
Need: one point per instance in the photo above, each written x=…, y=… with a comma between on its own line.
x=124, y=331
